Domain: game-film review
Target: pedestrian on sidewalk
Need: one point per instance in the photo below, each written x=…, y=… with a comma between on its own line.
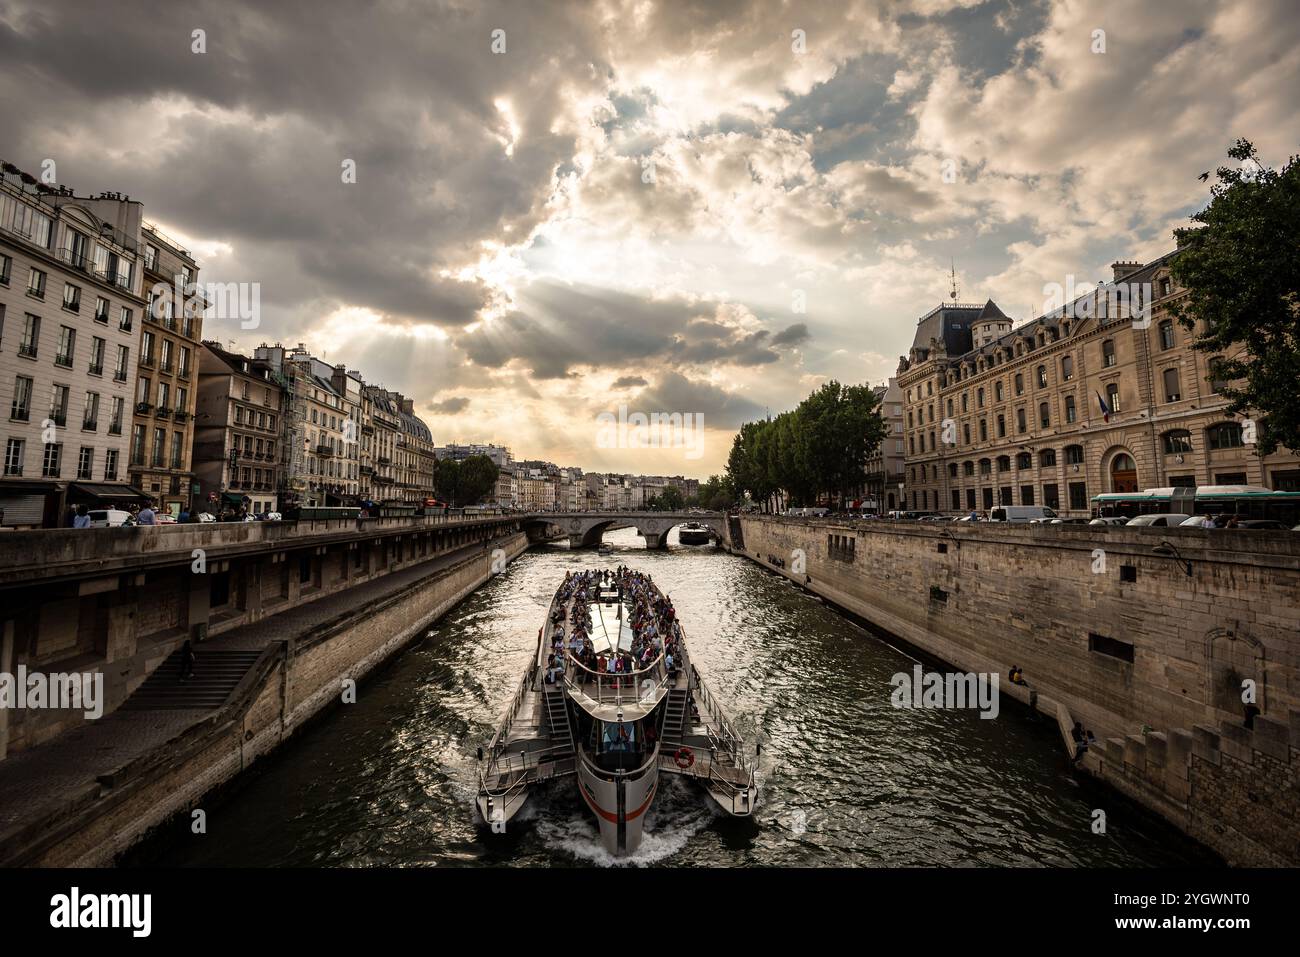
x=187, y=661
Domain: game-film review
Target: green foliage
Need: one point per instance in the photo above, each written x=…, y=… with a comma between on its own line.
x=670, y=500
x=467, y=482
x=819, y=448
x=1241, y=269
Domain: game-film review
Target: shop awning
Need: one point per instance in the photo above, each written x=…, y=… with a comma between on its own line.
x=232, y=498
x=101, y=493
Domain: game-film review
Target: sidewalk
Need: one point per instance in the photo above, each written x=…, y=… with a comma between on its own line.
x=64, y=772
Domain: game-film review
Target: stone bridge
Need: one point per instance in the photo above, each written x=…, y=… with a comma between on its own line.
x=584, y=529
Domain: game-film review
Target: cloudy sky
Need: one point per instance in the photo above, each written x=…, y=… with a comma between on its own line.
x=702, y=206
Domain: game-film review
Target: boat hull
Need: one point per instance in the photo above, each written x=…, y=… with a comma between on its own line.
x=619, y=802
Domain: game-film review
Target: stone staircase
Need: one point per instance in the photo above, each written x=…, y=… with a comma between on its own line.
x=216, y=673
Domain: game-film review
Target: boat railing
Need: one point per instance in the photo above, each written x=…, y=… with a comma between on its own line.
x=503, y=733
x=727, y=737
x=624, y=687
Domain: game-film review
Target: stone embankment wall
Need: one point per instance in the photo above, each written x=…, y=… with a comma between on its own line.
x=293, y=681
x=1108, y=632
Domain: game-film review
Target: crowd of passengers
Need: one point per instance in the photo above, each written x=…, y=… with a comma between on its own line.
x=651, y=616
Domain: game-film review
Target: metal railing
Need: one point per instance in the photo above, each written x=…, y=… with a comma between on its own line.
x=614, y=687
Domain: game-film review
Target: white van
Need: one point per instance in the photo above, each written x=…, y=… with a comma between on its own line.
x=109, y=518
x=1021, y=513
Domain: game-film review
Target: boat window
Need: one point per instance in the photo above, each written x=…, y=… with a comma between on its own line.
x=619, y=736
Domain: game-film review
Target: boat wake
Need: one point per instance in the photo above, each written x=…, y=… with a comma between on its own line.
x=677, y=816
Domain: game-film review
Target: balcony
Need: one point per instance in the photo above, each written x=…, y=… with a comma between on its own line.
x=96, y=369
x=181, y=415
x=19, y=413
x=119, y=375
x=166, y=367
x=27, y=349
x=326, y=451
x=183, y=372
x=90, y=425
x=146, y=361
x=59, y=418
x=63, y=360
x=384, y=460
x=162, y=412
x=115, y=428
x=142, y=408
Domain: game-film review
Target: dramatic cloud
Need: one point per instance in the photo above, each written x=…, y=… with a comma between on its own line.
x=676, y=205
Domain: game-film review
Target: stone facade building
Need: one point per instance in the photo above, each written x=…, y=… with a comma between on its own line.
x=239, y=410
x=162, y=426
x=1103, y=394
x=884, y=467
x=70, y=308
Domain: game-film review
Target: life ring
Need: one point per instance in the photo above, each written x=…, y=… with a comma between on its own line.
x=684, y=757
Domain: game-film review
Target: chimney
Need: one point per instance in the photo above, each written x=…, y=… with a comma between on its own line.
x=408, y=406
x=1123, y=270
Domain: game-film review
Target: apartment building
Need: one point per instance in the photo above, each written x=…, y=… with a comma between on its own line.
x=1104, y=394
x=884, y=469
x=239, y=410
x=70, y=306
x=162, y=424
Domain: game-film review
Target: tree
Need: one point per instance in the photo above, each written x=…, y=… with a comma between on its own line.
x=1241, y=269
x=478, y=479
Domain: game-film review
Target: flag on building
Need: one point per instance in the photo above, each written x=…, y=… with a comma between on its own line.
x=1105, y=409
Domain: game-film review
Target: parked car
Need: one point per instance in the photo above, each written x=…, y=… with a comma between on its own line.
x=1158, y=520
x=1263, y=523
x=205, y=517
x=1021, y=513
x=164, y=518
x=110, y=518
x=1110, y=520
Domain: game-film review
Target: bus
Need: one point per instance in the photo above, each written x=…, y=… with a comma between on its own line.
x=1244, y=501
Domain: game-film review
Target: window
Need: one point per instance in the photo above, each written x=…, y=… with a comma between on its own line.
x=1004, y=463
x=137, y=445
x=1051, y=498
x=997, y=391
x=36, y=284
x=124, y=319
x=1026, y=495
x=123, y=358
x=110, y=464
x=178, y=447
x=6, y=268
x=1177, y=441
x=90, y=419
x=986, y=466
x=164, y=397
x=1042, y=377
x=97, y=355
x=1020, y=384
x=979, y=398
x=965, y=431
x=21, y=410
x=1225, y=435
x=33, y=226
x=165, y=359
x=1078, y=495
x=1025, y=460
x=1002, y=426
x=1108, y=353
x=67, y=346
x=146, y=349
x=1047, y=458
x=85, y=462
x=115, y=420
x=968, y=468
x=31, y=336
x=59, y=405
x=1172, y=391
x=14, y=456
x=1112, y=396
x=963, y=402
x=159, y=451
x=184, y=369
x=984, y=430
x=1071, y=413
x=1074, y=455
x=1067, y=368
x=151, y=257
x=1020, y=420
x=71, y=297
x=1166, y=335
x=51, y=465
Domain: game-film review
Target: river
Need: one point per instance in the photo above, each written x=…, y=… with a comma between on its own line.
x=846, y=778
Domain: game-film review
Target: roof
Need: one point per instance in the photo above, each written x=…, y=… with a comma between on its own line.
x=950, y=324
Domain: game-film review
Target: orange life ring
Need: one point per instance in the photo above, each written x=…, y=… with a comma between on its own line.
x=684, y=757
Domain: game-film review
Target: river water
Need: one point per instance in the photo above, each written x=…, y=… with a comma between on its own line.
x=846, y=778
